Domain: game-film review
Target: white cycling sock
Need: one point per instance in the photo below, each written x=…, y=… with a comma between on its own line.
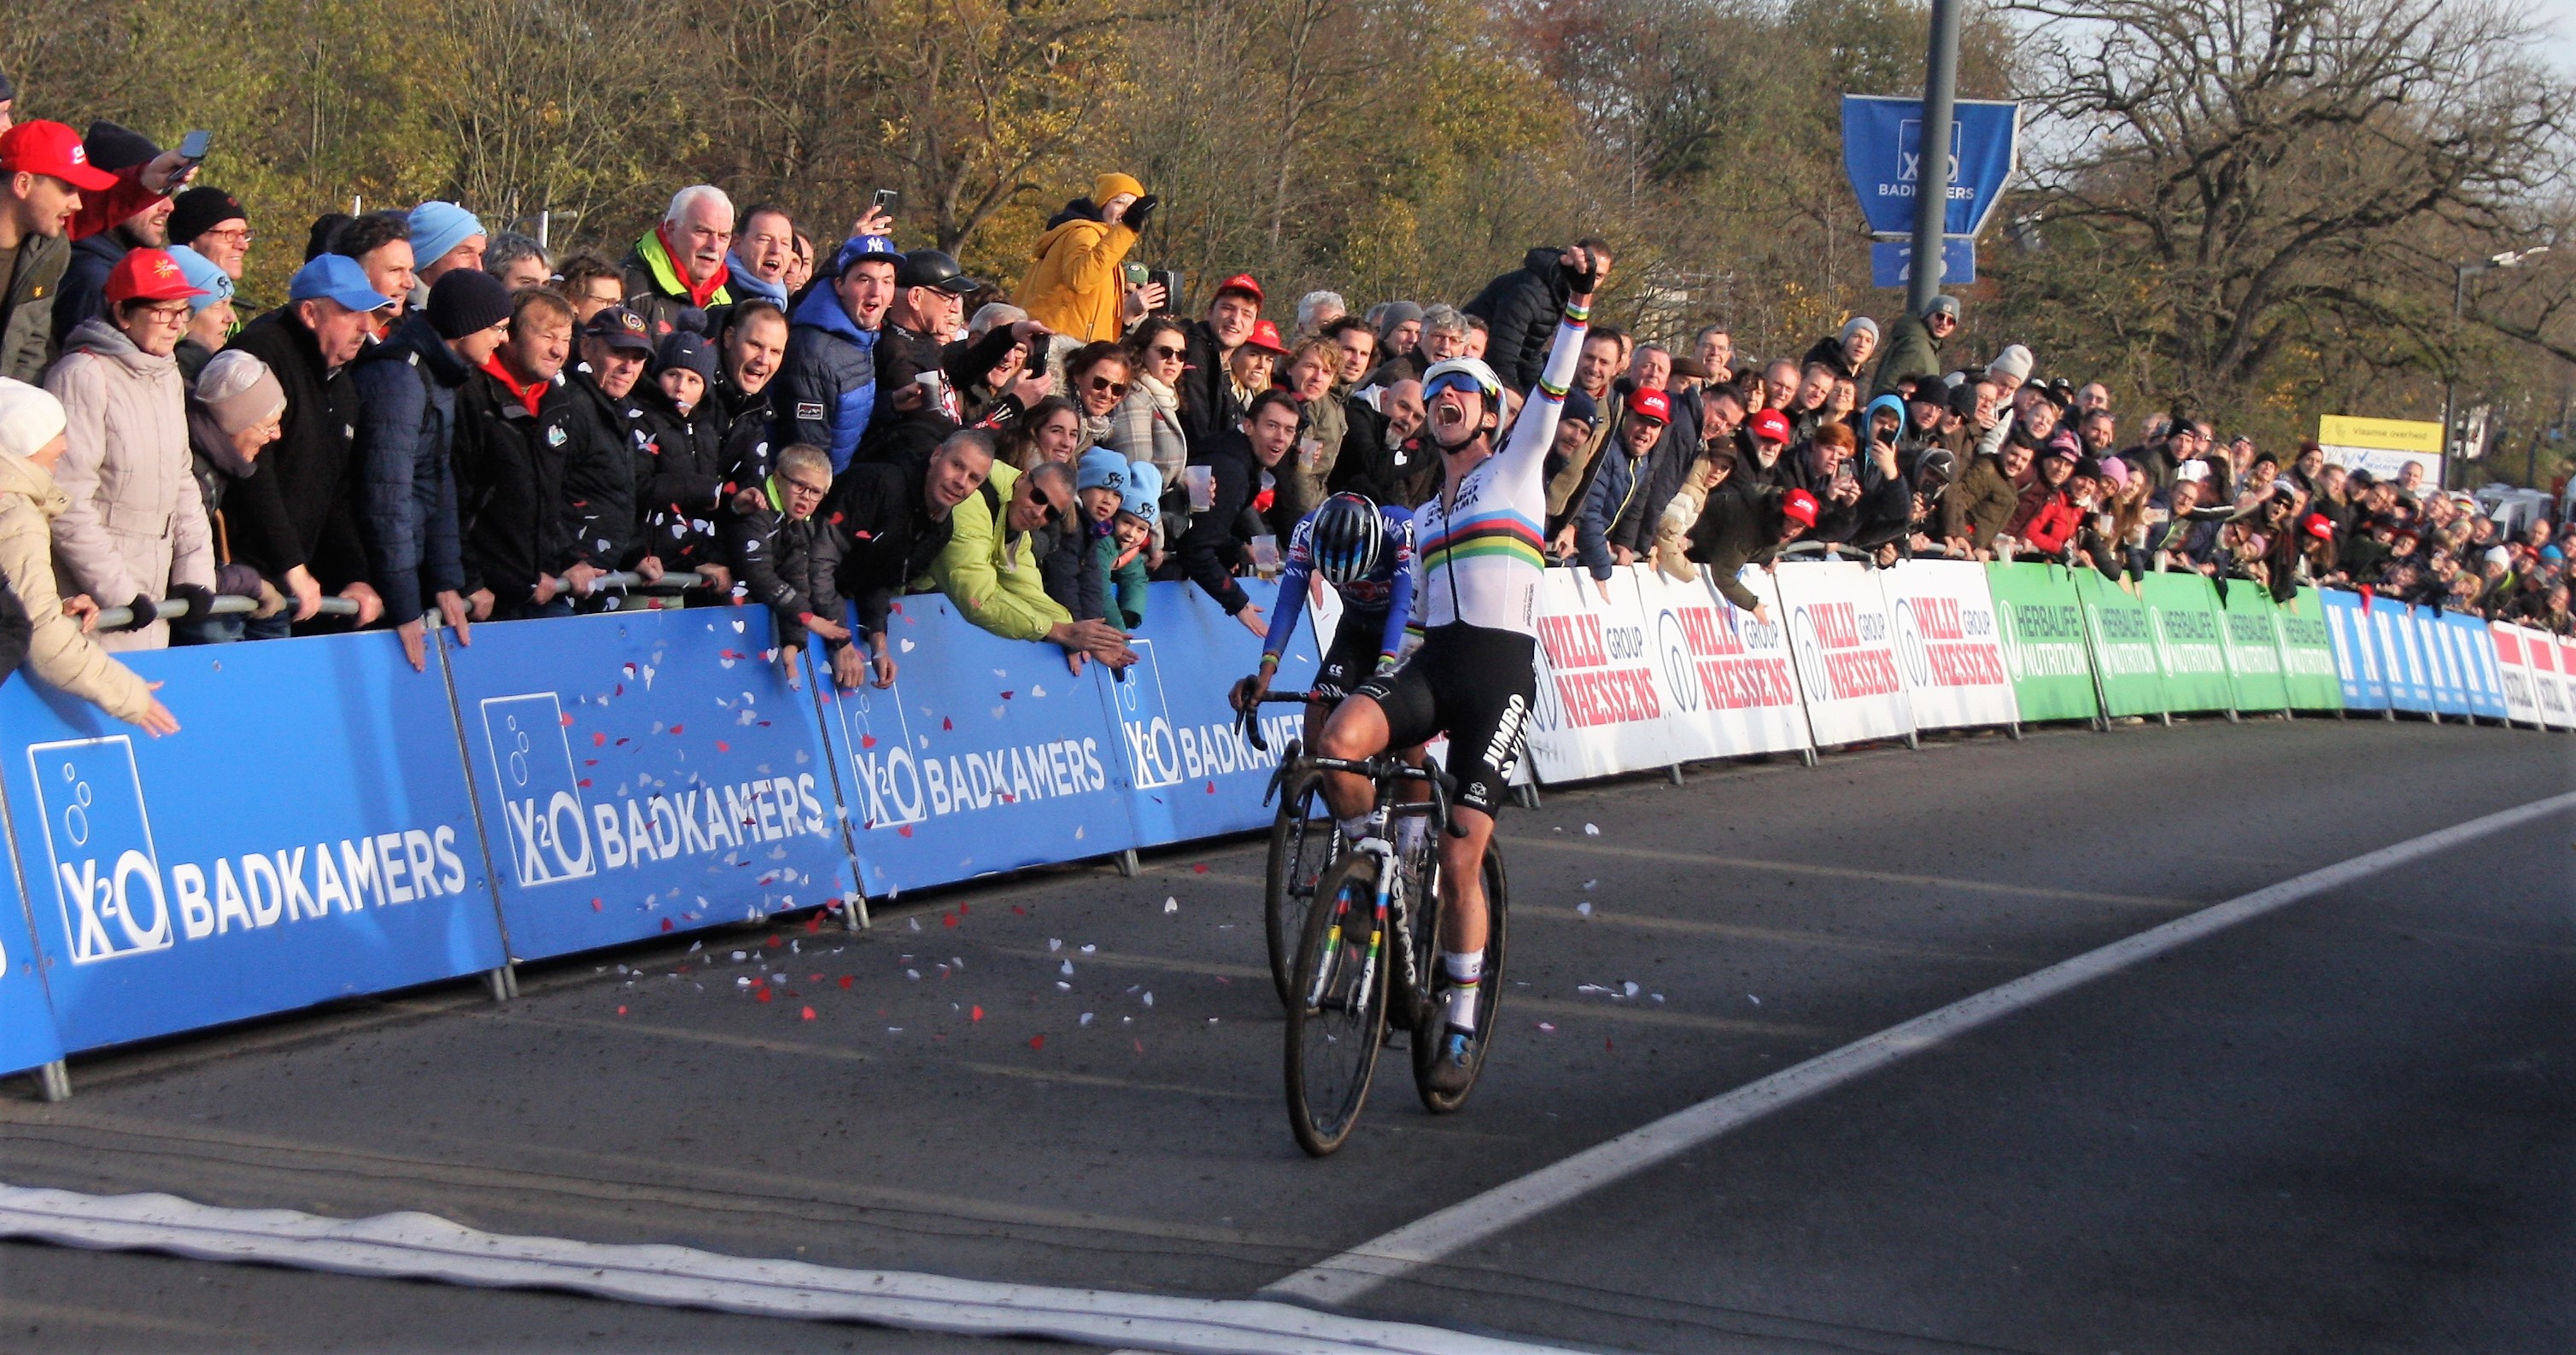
x=1355, y=827
x=1466, y=972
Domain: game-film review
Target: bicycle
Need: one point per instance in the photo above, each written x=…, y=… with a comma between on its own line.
x=1350, y=984
x=1297, y=857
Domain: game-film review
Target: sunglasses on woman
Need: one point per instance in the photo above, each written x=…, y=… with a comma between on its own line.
x=1170, y=354
x=1102, y=383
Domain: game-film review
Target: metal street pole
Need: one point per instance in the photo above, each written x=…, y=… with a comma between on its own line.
x=1932, y=167
x=2450, y=373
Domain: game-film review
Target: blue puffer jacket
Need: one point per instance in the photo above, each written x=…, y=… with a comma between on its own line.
x=827, y=383
x=1621, y=478
x=406, y=479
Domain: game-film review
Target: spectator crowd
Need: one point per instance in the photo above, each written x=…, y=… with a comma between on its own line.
x=441, y=424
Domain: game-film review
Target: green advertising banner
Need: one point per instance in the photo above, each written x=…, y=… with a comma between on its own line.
x=2190, y=645
x=2124, y=647
x=2042, y=628
x=2307, y=654
x=2253, y=647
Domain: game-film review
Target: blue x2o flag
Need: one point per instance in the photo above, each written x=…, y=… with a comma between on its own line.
x=1883, y=154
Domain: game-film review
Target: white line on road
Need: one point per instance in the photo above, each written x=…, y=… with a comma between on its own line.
x=421, y=1246
x=1439, y=1236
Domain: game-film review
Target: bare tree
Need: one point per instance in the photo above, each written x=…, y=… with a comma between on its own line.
x=2252, y=167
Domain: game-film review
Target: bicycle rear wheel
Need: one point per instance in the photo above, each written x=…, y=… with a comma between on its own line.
x=1304, y=843
x=1337, y=1019
x=1489, y=997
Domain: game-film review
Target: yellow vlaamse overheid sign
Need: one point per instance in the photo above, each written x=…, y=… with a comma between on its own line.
x=2387, y=435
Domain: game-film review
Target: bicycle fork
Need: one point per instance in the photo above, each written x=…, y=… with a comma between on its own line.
x=1371, y=952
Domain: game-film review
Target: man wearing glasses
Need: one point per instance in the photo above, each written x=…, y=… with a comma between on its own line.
x=989, y=568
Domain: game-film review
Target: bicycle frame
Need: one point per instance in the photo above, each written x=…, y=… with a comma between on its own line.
x=1393, y=900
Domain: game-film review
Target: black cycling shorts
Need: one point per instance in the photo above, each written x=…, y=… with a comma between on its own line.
x=1353, y=655
x=1477, y=684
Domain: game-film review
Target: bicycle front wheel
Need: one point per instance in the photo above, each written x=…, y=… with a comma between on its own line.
x=1489, y=997
x=1337, y=1014
x=1304, y=843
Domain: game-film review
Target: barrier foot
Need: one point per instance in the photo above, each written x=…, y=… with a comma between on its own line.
x=1127, y=864
x=1913, y=742
x=502, y=983
x=1527, y=796
x=1675, y=772
x=854, y=912
x=1809, y=755
x=2013, y=731
x=2233, y=718
x=2342, y=714
x=54, y=1082
x=2433, y=715
x=2168, y=718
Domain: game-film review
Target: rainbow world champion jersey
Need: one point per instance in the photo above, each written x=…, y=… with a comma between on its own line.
x=1478, y=548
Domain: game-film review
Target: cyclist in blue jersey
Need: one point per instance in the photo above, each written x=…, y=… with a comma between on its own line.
x=1478, y=565
x=1365, y=553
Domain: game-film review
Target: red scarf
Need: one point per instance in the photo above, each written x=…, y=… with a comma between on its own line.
x=698, y=291
x=530, y=395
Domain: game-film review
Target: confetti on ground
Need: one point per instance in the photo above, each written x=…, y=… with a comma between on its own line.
x=1200, y=868
x=1592, y=830
x=1149, y=999
x=1754, y=1000
x=846, y=981
x=1086, y=1018
x=1592, y=884
x=1063, y=987
x=1548, y=1026
x=1088, y=950
x=1037, y=1042
x=809, y=1013
x=975, y=1013
x=1067, y=971
x=1585, y=908
x=1055, y=943
x=1629, y=988
x=1171, y=905
x=621, y=1011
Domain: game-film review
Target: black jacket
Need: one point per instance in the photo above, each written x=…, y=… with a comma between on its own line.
x=405, y=467
x=681, y=469
x=745, y=421
x=786, y=565
x=82, y=294
x=517, y=518
x=1735, y=523
x=293, y=508
x=1214, y=547
x=1520, y=311
x=1208, y=406
x=600, y=468
x=901, y=357
x=888, y=537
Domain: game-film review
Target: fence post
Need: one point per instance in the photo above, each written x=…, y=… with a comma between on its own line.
x=54, y=1082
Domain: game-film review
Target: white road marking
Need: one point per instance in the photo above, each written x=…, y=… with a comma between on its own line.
x=1439, y=1236
x=421, y=1246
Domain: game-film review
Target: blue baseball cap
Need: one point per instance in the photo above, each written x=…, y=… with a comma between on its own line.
x=866, y=249
x=336, y=277
x=213, y=284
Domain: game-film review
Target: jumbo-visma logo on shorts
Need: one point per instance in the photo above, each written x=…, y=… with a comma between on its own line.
x=117, y=900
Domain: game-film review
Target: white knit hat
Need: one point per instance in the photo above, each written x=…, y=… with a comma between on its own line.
x=30, y=417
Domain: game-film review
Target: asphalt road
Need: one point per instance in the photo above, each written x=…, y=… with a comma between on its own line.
x=2347, y=1125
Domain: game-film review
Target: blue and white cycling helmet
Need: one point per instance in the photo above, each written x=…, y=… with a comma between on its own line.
x=1346, y=536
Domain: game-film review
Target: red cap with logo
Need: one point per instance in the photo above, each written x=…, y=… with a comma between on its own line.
x=1648, y=403
x=1799, y=506
x=53, y=149
x=2319, y=526
x=1265, y=336
x=1241, y=282
x=1770, y=425
x=148, y=275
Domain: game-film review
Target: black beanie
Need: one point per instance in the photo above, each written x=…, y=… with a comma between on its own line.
x=111, y=147
x=200, y=210
x=8, y=89
x=465, y=301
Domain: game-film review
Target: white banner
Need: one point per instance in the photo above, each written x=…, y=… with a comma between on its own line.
x=1601, y=708
x=1845, y=646
x=2513, y=670
x=2549, y=678
x=1948, y=647
x=1729, y=682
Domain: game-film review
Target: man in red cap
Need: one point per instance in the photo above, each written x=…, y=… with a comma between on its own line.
x=1770, y=431
x=1615, y=508
x=128, y=460
x=1208, y=406
x=50, y=195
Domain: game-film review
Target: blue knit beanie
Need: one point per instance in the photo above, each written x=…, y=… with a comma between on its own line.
x=437, y=227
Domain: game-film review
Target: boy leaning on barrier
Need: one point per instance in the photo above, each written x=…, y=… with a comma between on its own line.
x=786, y=556
x=59, y=649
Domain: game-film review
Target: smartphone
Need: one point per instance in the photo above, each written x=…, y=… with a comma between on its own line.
x=886, y=198
x=1173, y=281
x=193, y=146
x=1843, y=474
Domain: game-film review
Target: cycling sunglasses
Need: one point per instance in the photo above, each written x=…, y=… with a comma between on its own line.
x=1460, y=381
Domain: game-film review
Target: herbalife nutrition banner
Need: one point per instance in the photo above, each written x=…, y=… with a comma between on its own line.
x=2123, y=643
x=2253, y=646
x=2307, y=654
x=2042, y=624
x=2184, y=614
